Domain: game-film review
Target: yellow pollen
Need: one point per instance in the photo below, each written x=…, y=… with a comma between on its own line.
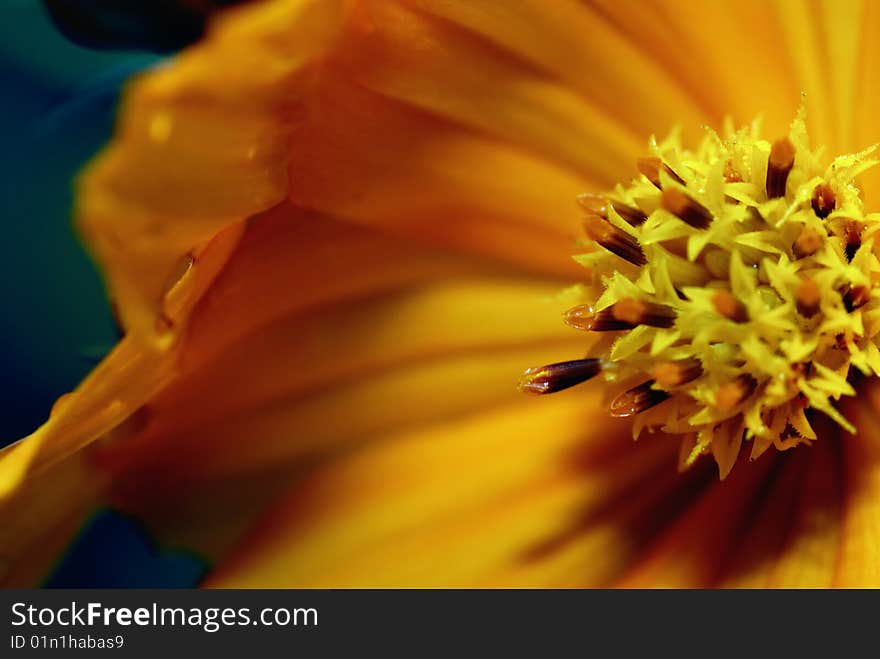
x=739, y=282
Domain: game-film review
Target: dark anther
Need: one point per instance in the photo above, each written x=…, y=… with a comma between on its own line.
x=779, y=165
x=852, y=237
x=630, y=214
x=728, y=306
x=639, y=312
x=615, y=240
x=685, y=208
x=638, y=399
x=823, y=200
x=559, y=376
x=650, y=169
x=730, y=394
x=676, y=373
x=808, y=297
x=623, y=315
x=855, y=297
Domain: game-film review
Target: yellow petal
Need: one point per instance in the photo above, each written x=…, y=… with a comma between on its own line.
x=794, y=536
x=364, y=157
x=868, y=104
x=394, y=335
x=201, y=486
x=574, y=43
x=812, y=546
x=695, y=48
x=458, y=504
x=859, y=559
x=692, y=551
x=425, y=62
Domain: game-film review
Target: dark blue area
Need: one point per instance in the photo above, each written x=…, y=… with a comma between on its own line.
x=58, y=109
x=55, y=300
x=114, y=552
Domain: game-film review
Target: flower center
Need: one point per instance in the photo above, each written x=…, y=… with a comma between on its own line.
x=735, y=288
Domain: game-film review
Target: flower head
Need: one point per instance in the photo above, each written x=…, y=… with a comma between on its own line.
x=736, y=284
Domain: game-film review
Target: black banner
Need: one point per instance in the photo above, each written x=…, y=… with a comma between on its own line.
x=414, y=622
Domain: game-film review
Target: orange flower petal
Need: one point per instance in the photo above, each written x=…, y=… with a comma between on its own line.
x=373, y=160
x=452, y=505
x=436, y=66
x=691, y=553
x=859, y=560
x=393, y=334
x=569, y=42
x=793, y=538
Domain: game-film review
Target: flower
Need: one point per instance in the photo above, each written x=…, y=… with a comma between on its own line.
x=335, y=233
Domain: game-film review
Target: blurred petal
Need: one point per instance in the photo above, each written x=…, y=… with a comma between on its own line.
x=433, y=65
x=200, y=145
x=859, y=561
x=793, y=538
x=867, y=107
x=38, y=524
x=567, y=42
x=393, y=334
x=374, y=161
x=691, y=552
x=696, y=47
x=452, y=505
